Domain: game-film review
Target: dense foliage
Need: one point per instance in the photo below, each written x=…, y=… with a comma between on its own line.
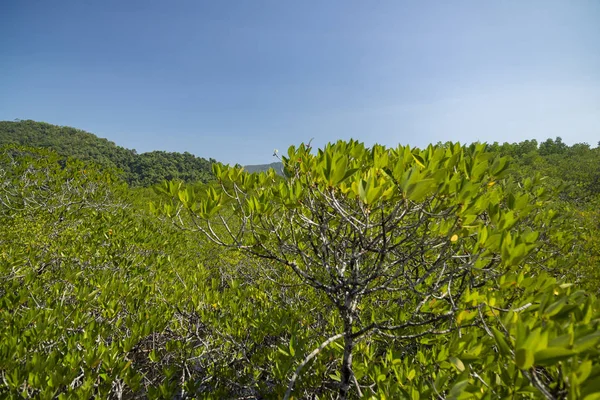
x=363, y=273
x=571, y=175
x=383, y=234
x=138, y=169
x=576, y=167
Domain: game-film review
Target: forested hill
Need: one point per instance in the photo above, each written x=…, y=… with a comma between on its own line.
x=577, y=166
x=139, y=169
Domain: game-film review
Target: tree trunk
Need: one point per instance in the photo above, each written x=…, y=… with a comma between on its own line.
x=346, y=372
x=347, y=365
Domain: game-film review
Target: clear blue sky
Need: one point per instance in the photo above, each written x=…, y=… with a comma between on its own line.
x=233, y=80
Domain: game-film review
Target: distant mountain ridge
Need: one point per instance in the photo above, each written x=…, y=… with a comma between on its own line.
x=277, y=166
x=143, y=169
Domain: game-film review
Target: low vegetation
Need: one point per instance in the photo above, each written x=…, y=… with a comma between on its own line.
x=458, y=272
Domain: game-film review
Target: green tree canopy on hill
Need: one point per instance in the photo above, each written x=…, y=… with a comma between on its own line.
x=138, y=169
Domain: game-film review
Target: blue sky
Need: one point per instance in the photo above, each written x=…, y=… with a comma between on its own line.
x=233, y=80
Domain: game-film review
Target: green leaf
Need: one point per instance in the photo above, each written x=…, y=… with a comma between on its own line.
x=586, y=342
x=458, y=391
x=339, y=170
x=282, y=351
x=584, y=371
x=502, y=345
x=419, y=190
x=457, y=363
x=524, y=358
x=419, y=160
x=552, y=355
x=414, y=394
x=348, y=174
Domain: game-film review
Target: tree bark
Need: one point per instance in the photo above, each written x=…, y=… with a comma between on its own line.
x=346, y=372
x=346, y=365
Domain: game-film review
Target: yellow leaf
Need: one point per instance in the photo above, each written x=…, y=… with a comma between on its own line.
x=457, y=363
x=454, y=238
x=126, y=366
x=492, y=183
